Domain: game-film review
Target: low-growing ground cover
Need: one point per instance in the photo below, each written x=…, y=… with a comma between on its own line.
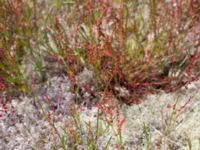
x=87, y=59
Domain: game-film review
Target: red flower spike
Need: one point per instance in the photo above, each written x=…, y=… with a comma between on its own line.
x=107, y=53
x=120, y=125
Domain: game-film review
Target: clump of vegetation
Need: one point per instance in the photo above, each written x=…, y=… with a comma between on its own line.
x=132, y=47
x=128, y=45
x=16, y=33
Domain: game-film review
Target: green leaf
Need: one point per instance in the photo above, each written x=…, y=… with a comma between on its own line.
x=131, y=50
x=63, y=143
x=106, y=147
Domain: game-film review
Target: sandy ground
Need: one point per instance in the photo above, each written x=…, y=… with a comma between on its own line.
x=171, y=120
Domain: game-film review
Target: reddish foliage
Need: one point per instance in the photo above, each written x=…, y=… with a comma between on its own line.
x=2, y=84
x=101, y=34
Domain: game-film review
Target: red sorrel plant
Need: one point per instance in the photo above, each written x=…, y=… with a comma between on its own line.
x=2, y=84
x=19, y=38
x=131, y=45
x=169, y=118
x=12, y=43
x=122, y=46
x=10, y=74
x=76, y=132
